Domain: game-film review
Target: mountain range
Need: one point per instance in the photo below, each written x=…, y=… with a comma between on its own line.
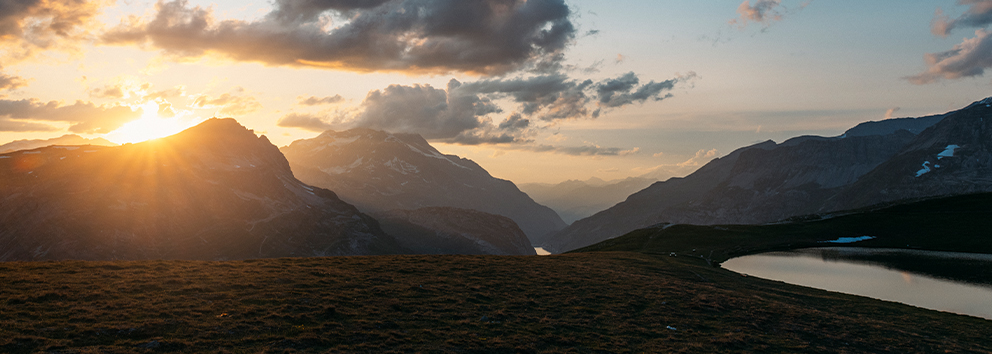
x=378, y=171
x=872, y=163
x=213, y=192
x=446, y=230
x=575, y=199
x=68, y=139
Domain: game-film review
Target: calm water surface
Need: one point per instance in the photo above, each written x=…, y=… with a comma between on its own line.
x=541, y=251
x=813, y=268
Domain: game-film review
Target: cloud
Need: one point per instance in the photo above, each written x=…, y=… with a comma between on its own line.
x=979, y=15
x=10, y=82
x=84, y=117
x=464, y=113
x=702, y=157
x=889, y=113
x=764, y=12
x=304, y=121
x=967, y=59
x=436, y=36
x=231, y=105
x=314, y=101
x=10, y=125
x=30, y=26
x=621, y=91
x=660, y=154
x=666, y=171
x=109, y=91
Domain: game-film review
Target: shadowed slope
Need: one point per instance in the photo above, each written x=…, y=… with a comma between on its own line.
x=214, y=191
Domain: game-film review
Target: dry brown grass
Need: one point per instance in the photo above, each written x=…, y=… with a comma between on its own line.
x=577, y=303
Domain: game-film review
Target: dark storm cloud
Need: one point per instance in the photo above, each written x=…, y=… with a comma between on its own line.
x=315, y=101
x=27, y=26
x=484, y=36
x=304, y=121
x=84, y=117
x=978, y=15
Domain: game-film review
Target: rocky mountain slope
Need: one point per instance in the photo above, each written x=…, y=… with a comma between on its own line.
x=574, y=199
x=68, y=139
x=379, y=171
x=214, y=191
x=874, y=162
x=445, y=230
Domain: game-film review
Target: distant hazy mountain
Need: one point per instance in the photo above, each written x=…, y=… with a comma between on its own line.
x=874, y=162
x=379, y=171
x=445, y=230
x=214, y=191
x=68, y=139
x=574, y=199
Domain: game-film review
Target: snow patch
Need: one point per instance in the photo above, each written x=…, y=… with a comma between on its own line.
x=4, y=157
x=336, y=170
x=401, y=166
x=850, y=239
x=948, y=152
x=435, y=155
x=926, y=168
x=32, y=152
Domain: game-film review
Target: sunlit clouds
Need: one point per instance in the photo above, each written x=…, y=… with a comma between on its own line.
x=594, y=86
x=28, y=27
x=764, y=12
x=151, y=125
x=969, y=58
x=493, y=111
x=430, y=36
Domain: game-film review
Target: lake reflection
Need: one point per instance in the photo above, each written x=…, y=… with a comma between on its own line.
x=820, y=268
x=541, y=252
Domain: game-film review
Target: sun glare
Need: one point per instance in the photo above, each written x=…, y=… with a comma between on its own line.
x=149, y=126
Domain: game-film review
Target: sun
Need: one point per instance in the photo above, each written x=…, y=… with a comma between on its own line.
x=149, y=126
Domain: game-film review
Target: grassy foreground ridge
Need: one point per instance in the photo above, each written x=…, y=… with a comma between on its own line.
x=611, y=302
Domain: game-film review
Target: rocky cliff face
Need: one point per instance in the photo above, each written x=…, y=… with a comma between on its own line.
x=875, y=162
x=214, y=191
x=379, y=171
x=444, y=230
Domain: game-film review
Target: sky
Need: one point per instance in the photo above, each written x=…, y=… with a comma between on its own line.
x=532, y=90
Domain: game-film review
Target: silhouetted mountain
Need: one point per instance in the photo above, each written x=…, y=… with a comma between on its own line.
x=769, y=182
x=445, y=230
x=574, y=199
x=379, y=171
x=214, y=191
x=68, y=139
x=957, y=224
